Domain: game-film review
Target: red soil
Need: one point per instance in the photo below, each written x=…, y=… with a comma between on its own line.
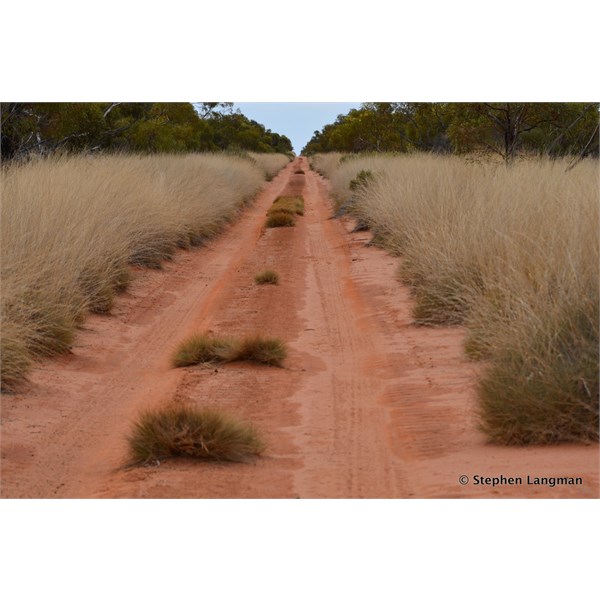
x=368, y=405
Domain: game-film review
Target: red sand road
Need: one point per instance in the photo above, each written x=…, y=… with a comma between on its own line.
x=368, y=404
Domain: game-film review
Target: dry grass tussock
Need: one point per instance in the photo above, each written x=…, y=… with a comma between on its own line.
x=207, y=348
x=278, y=218
x=512, y=253
x=291, y=204
x=72, y=225
x=271, y=164
x=284, y=210
x=268, y=276
x=193, y=433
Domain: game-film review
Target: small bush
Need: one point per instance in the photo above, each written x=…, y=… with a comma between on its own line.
x=542, y=386
x=280, y=219
x=256, y=348
x=362, y=179
x=267, y=276
x=292, y=204
x=283, y=211
x=206, y=348
x=195, y=433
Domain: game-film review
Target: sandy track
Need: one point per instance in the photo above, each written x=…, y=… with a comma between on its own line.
x=367, y=406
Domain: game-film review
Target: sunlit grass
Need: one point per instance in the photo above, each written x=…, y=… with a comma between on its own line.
x=511, y=252
x=71, y=226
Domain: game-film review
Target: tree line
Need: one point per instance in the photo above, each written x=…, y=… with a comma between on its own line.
x=506, y=129
x=144, y=127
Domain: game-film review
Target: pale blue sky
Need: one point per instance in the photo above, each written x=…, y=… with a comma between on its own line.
x=297, y=120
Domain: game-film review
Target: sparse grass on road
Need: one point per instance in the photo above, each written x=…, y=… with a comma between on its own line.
x=207, y=348
x=280, y=219
x=193, y=433
x=284, y=210
x=267, y=276
x=291, y=204
x=260, y=349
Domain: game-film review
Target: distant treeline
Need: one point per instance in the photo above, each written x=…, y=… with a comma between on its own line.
x=144, y=127
x=505, y=129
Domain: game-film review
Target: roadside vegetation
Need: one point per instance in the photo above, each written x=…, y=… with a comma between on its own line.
x=193, y=433
x=72, y=227
x=207, y=348
x=270, y=164
x=505, y=130
x=132, y=127
x=509, y=251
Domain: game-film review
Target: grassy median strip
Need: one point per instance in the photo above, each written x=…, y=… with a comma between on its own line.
x=284, y=210
x=292, y=204
x=193, y=433
x=208, y=348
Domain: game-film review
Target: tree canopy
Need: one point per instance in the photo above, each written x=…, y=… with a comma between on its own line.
x=147, y=127
x=506, y=129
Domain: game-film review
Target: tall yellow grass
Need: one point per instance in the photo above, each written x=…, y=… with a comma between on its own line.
x=327, y=163
x=511, y=252
x=271, y=164
x=72, y=225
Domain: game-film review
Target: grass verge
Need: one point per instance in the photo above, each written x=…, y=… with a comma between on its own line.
x=72, y=225
x=193, y=433
x=512, y=253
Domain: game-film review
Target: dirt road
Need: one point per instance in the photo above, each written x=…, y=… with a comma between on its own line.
x=368, y=405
